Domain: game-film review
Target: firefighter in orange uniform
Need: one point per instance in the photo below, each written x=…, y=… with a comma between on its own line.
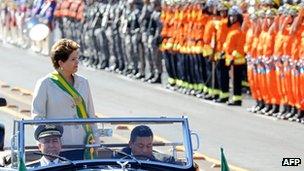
x=268, y=49
x=208, y=51
x=300, y=64
x=277, y=55
x=234, y=52
x=222, y=70
x=295, y=31
x=288, y=62
x=261, y=58
x=251, y=31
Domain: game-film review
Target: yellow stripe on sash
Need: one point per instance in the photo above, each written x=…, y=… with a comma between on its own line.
x=81, y=109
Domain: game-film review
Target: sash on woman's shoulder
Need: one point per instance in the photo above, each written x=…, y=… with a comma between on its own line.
x=59, y=80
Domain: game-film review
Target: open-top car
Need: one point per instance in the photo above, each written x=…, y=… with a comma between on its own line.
x=111, y=148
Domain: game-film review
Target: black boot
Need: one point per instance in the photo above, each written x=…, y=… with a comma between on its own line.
x=270, y=107
x=149, y=77
x=216, y=96
x=156, y=79
x=260, y=106
x=188, y=91
x=302, y=120
x=208, y=97
x=126, y=71
x=222, y=100
x=234, y=103
x=275, y=109
x=298, y=116
x=290, y=114
x=134, y=72
x=266, y=109
x=286, y=109
x=103, y=65
x=139, y=76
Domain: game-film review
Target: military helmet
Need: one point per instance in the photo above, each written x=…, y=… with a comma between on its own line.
x=287, y=1
x=281, y=9
x=271, y=12
x=271, y=2
x=261, y=13
x=210, y=3
x=253, y=16
x=234, y=10
x=296, y=1
x=223, y=5
x=293, y=11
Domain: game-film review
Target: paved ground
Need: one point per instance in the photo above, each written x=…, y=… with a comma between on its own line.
x=250, y=141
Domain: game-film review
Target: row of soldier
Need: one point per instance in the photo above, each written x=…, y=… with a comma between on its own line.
x=115, y=35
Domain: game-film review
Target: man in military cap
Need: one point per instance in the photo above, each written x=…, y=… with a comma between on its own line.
x=49, y=142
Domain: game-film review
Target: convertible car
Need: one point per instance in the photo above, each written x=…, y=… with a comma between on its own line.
x=172, y=145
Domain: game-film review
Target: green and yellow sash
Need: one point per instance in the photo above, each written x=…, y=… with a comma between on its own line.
x=58, y=79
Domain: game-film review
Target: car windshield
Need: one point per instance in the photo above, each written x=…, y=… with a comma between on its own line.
x=161, y=141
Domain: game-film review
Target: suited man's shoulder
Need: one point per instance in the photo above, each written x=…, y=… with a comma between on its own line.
x=126, y=150
x=34, y=164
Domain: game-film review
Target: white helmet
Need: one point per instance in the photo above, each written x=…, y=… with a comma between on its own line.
x=234, y=10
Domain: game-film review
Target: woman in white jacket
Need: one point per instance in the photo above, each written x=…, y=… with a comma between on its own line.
x=64, y=94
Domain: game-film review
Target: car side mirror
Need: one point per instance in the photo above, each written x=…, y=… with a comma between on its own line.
x=195, y=137
x=2, y=135
x=2, y=102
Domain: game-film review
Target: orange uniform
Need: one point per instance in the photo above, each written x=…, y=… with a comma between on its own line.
x=221, y=34
x=268, y=51
x=232, y=48
x=209, y=36
x=301, y=79
x=287, y=42
x=65, y=6
x=251, y=74
x=278, y=53
x=262, y=67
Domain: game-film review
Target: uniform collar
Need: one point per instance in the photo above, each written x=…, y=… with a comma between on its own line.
x=46, y=162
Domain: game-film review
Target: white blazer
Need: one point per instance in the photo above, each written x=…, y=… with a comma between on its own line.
x=51, y=102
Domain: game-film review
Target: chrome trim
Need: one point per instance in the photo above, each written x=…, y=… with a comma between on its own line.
x=197, y=140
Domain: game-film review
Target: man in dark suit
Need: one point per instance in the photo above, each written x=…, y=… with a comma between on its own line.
x=49, y=142
x=141, y=146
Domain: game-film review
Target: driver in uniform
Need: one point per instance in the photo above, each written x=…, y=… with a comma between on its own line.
x=49, y=142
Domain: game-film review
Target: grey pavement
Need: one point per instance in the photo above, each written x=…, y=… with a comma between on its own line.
x=250, y=141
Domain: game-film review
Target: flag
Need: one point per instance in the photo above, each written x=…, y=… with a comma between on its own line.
x=224, y=164
x=21, y=165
